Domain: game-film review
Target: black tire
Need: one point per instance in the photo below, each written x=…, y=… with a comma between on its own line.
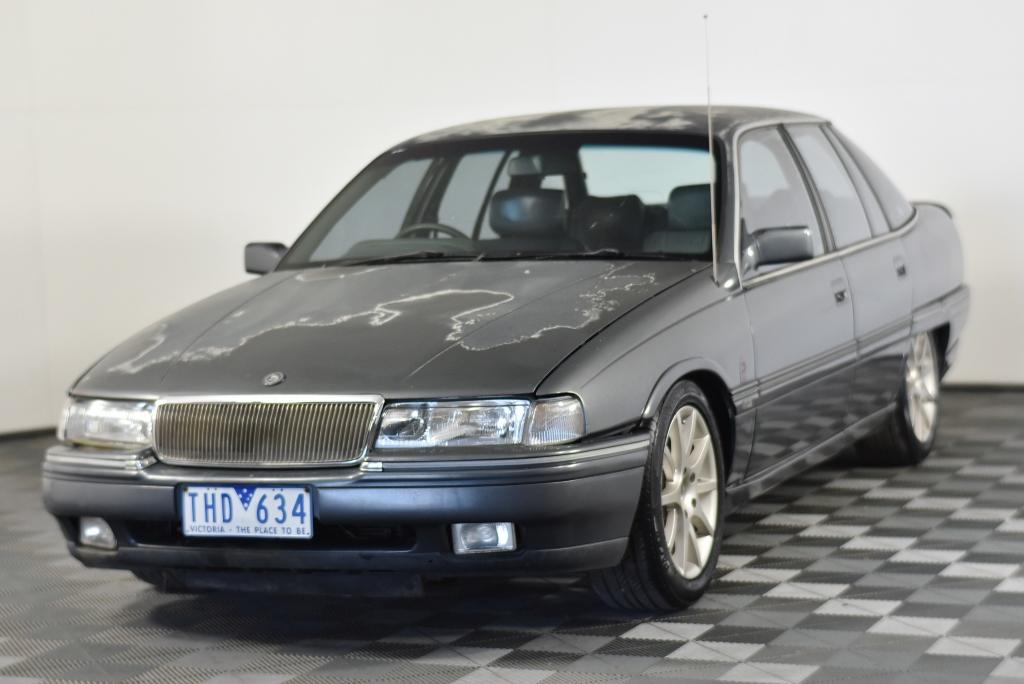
x=647, y=579
x=894, y=444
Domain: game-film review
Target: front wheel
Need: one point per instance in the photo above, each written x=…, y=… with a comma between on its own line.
x=677, y=532
x=908, y=435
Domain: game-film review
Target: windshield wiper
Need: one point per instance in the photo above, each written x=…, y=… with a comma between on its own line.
x=438, y=255
x=422, y=255
x=603, y=253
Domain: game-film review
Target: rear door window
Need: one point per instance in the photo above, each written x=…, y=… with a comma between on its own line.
x=845, y=214
x=876, y=217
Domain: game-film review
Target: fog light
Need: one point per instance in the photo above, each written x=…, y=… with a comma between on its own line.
x=483, y=537
x=96, y=532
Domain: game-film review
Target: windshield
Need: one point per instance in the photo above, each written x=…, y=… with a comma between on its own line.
x=547, y=197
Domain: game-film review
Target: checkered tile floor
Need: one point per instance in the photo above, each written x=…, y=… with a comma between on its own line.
x=845, y=574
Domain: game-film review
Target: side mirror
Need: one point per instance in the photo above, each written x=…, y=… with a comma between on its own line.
x=262, y=257
x=783, y=245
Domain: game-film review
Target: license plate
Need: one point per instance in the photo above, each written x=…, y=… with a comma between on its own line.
x=246, y=511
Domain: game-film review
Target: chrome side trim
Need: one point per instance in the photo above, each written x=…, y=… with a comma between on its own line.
x=572, y=459
x=744, y=396
x=801, y=372
x=940, y=310
x=810, y=263
x=524, y=461
x=884, y=337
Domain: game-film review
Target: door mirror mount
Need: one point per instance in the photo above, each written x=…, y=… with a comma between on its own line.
x=263, y=257
x=782, y=245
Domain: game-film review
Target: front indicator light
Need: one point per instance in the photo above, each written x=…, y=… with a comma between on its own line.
x=468, y=538
x=557, y=420
x=95, y=532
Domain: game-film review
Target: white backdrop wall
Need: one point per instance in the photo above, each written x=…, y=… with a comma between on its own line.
x=143, y=143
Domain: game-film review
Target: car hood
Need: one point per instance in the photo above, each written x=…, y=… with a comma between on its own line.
x=413, y=330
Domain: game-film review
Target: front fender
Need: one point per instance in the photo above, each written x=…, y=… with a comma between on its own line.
x=626, y=370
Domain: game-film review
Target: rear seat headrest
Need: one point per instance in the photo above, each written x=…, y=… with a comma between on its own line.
x=541, y=165
x=613, y=222
x=689, y=208
x=528, y=213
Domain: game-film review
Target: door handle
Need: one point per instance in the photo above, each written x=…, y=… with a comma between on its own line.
x=901, y=267
x=839, y=290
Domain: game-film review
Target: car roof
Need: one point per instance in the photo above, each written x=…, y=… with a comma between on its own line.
x=688, y=119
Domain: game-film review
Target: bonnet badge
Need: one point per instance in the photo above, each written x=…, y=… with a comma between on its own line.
x=271, y=379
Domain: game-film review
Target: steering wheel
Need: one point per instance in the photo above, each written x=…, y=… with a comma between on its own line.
x=430, y=227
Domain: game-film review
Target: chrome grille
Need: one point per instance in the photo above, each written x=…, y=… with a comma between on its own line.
x=268, y=433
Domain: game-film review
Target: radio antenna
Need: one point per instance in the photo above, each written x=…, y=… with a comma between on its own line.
x=711, y=155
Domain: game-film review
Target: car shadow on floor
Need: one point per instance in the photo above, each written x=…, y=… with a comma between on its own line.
x=450, y=606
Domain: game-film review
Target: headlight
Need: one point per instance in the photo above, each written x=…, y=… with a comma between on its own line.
x=481, y=422
x=99, y=422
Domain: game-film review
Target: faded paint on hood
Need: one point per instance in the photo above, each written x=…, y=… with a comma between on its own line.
x=402, y=330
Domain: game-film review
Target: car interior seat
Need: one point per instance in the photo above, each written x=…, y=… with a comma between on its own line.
x=609, y=223
x=529, y=220
x=688, y=229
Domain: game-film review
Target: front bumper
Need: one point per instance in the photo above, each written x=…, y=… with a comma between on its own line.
x=573, y=507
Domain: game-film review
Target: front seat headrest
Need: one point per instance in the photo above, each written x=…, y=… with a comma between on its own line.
x=528, y=213
x=689, y=208
x=609, y=222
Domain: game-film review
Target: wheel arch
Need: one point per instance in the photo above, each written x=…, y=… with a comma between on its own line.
x=706, y=375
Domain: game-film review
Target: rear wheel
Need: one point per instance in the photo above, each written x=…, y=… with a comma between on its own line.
x=676, y=535
x=908, y=435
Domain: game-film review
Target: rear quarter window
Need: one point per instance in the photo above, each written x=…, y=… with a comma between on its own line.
x=895, y=206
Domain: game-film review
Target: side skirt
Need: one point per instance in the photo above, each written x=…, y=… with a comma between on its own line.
x=772, y=477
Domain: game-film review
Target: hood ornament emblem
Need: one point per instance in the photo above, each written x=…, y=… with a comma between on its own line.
x=271, y=379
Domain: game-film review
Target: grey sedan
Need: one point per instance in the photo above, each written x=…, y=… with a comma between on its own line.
x=565, y=343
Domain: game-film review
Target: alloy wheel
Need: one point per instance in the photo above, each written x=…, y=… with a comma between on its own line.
x=922, y=386
x=689, y=491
